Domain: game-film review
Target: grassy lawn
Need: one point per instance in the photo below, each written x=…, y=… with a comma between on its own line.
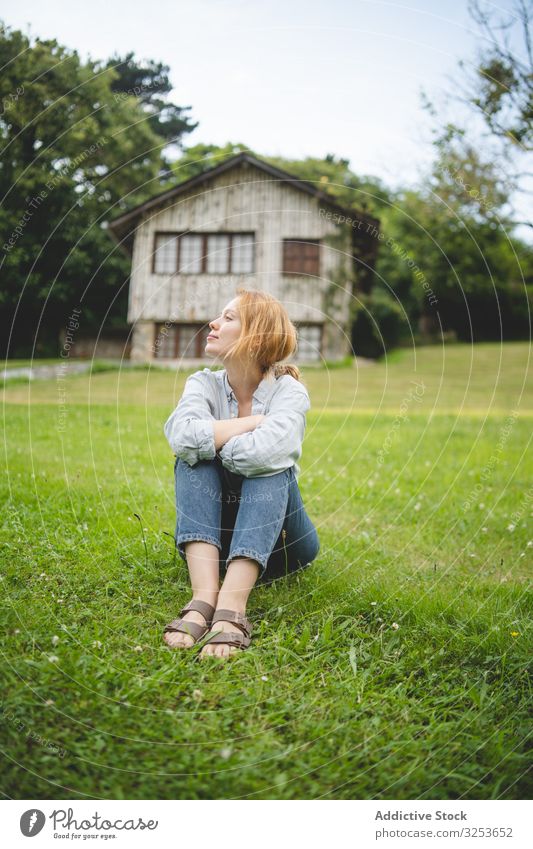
x=396, y=666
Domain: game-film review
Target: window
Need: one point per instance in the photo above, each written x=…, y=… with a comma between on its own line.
x=218, y=258
x=301, y=256
x=204, y=253
x=173, y=341
x=309, y=342
x=190, y=255
x=242, y=253
x=165, y=253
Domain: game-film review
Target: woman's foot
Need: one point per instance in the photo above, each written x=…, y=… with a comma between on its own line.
x=231, y=632
x=241, y=576
x=177, y=639
x=219, y=649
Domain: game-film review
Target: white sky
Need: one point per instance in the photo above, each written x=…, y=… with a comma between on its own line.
x=294, y=78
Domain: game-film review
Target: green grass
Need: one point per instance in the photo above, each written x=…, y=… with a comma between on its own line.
x=331, y=701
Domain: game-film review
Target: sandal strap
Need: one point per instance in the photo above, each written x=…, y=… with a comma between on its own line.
x=199, y=606
x=233, y=638
x=236, y=618
x=193, y=629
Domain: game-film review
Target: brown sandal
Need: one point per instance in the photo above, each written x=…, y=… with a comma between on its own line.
x=241, y=639
x=193, y=629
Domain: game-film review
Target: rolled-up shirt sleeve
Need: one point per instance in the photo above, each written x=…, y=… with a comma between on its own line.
x=276, y=444
x=189, y=429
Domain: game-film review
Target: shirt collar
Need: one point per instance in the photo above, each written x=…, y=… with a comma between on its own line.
x=260, y=393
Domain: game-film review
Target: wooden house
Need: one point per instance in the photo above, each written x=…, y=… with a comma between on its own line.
x=243, y=223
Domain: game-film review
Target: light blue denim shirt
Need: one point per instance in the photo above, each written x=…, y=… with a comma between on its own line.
x=275, y=445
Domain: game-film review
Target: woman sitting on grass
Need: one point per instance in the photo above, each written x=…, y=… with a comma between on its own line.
x=237, y=435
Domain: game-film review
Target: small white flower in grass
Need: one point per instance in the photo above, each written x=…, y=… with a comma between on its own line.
x=16, y=631
x=395, y=626
x=484, y=530
x=97, y=644
x=481, y=506
x=225, y=753
x=530, y=543
x=197, y=694
x=55, y=640
x=53, y=658
x=264, y=677
x=373, y=603
x=417, y=506
x=49, y=702
x=397, y=490
x=511, y=527
x=60, y=600
x=379, y=619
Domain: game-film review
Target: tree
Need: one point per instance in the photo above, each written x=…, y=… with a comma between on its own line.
x=495, y=99
x=149, y=83
x=452, y=268
x=200, y=157
x=74, y=152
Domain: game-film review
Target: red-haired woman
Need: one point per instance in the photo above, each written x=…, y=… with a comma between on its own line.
x=237, y=435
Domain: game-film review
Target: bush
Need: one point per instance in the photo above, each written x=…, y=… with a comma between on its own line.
x=377, y=325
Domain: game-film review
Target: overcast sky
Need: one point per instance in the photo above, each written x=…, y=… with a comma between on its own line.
x=290, y=77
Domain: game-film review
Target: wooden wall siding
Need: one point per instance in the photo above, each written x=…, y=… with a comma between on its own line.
x=241, y=200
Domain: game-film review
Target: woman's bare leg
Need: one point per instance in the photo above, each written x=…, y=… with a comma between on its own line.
x=241, y=575
x=202, y=562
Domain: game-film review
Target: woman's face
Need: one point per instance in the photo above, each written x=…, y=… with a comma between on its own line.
x=224, y=330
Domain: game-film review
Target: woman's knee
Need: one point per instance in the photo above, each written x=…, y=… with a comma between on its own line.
x=203, y=470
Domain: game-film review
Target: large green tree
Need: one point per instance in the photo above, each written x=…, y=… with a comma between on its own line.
x=449, y=258
x=489, y=106
x=75, y=151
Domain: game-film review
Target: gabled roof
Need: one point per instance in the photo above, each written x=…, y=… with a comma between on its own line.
x=123, y=226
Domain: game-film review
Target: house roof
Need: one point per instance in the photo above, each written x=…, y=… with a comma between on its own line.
x=122, y=227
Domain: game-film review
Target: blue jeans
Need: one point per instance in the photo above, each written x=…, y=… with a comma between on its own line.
x=262, y=518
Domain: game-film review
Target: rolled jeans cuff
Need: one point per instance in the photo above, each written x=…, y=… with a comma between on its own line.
x=181, y=538
x=248, y=552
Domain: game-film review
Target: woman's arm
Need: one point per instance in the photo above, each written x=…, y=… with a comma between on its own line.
x=192, y=430
x=277, y=443
x=224, y=429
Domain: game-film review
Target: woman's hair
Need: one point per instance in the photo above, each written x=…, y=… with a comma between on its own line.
x=267, y=333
